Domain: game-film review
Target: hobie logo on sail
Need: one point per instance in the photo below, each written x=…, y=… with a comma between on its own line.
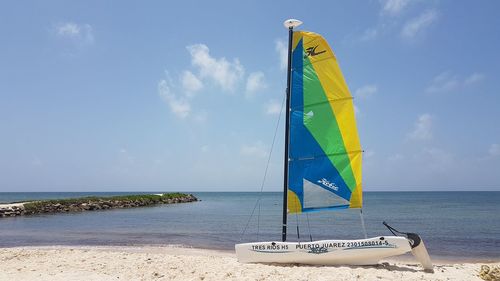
x=326, y=183
x=311, y=51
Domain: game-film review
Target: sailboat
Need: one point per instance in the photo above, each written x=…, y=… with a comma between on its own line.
x=322, y=163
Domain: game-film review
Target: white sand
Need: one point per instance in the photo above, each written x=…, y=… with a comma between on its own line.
x=171, y=263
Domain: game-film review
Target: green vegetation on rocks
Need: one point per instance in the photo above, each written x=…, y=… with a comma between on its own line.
x=97, y=203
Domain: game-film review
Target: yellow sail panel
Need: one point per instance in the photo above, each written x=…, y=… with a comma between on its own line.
x=293, y=203
x=297, y=37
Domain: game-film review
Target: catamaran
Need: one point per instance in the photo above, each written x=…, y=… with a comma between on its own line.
x=322, y=163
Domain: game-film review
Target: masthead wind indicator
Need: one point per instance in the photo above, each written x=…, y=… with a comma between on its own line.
x=292, y=23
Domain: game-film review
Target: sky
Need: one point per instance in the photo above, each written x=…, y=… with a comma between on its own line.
x=186, y=95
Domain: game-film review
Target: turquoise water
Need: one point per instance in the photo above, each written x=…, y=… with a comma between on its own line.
x=454, y=225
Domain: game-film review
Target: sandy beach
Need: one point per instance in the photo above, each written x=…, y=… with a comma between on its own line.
x=177, y=263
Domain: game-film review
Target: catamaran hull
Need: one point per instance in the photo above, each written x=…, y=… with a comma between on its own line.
x=324, y=252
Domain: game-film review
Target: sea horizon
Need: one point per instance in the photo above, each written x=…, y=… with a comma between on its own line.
x=221, y=191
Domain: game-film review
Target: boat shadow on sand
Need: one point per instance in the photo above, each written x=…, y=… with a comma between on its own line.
x=384, y=265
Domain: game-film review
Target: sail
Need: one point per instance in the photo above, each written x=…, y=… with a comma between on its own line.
x=324, y=167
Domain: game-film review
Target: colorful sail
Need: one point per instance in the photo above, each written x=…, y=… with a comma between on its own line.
x=324, y=168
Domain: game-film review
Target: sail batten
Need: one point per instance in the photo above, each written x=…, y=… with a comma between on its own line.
x=327, y=101
x=326, y=155
x=324, y=150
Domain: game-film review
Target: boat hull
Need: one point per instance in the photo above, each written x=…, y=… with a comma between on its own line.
x=325, y=252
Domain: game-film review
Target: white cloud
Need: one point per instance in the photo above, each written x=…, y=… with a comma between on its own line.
x=366, y=91
x=369, y=34
x=357, y=112
x=224, y=73
x=125, y=158
x=423, y=128
x=180, y=93
x=190, y=82
x=396, y=157
x=494, y=150
x=257, y=149
x=68, y=29
x=387, y=21
x=394, y=7
x=474, y=78
x=255, y=83
x=200, y=117
x=447, y=82
x=368, y=154
x=179, y=105
x=282, y=49
x=444, y=82
x=273, y=107
x=417, y=25
x=438, y=160
x=81, y=33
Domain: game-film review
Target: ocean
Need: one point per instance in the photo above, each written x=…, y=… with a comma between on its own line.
x=454, y=225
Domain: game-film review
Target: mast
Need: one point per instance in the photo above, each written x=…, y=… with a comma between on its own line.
x=290, y=24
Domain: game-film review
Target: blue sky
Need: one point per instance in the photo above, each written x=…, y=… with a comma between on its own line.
x=185, y=95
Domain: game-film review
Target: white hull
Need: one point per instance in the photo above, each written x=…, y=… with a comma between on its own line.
x=325, y=252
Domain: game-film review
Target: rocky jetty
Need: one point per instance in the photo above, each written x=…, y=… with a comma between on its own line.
x=11, y=210
x=92, y=204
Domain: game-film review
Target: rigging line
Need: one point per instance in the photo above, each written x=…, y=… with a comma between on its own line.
x=258, y=224
x=298, y=233
x=309, y=227
x=265, y=171
x=363, y=223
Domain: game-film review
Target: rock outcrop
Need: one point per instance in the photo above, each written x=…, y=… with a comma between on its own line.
x=92, y=204
x=11, y=210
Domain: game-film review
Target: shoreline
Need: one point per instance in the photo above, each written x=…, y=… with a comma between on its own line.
x=405, y=258
x=175, y=262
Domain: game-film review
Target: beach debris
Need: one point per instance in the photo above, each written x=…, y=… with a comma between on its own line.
x=158, y=275
x=489, y=273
